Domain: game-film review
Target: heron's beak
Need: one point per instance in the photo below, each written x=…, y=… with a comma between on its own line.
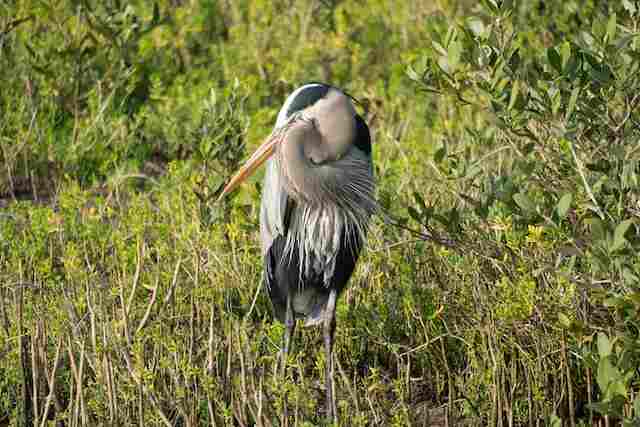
x=260, y=156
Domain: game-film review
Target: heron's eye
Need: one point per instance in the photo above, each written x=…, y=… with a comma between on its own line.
x=315, y=162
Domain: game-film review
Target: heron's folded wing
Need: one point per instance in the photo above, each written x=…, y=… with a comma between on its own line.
x=273, y=210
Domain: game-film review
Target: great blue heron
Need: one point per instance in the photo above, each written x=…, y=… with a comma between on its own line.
x=317, y=199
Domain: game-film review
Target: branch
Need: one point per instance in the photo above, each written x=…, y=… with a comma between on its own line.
x=584, y=181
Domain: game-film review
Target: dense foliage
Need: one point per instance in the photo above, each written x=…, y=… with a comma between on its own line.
x=501, y=286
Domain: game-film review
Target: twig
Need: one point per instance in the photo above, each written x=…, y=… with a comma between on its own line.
x=572, y=419
x=3, y=313
x=147, y=313
x=52, y=385
x=210, y=406
x=424, y=236
x=584, y=181
x=27, y=396
x=174, y=282
x=253, y=303
x=395, y=245
x=136, y=276
x=149, y=393
x=353, y=394
x=431, y=341
x=14, y=24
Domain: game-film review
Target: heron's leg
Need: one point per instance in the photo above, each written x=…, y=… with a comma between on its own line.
x=290, y=326
x=329, y=328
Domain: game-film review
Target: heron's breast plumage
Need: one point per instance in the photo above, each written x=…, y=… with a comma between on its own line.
x=315, y=233
x=314, y=256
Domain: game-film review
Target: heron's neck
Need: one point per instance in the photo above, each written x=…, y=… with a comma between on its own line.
x=304, y=180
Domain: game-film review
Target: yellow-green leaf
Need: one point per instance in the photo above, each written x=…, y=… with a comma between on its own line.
x=572, y=102
x=618, y=235
x=604, y=345
x=524, y=203
x=563, y=205
x=514, y=94
x=611, y=27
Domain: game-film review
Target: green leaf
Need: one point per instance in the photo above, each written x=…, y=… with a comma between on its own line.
x=476, y=26
x=563, y=205
x=564, y=320
x=439, y=155
x=412, y=74
x=490, y=5
x=618, y=235
x=629, y=276
x=514, y=94
x=611, y=27
x=556, y=102
x=607, y=373
x=555, y=421
x=604, y=345
x=205, y=146
x=597, y=229
x=473, y=170
x=156, y=14
x=524, y=203
x=632, y=9
x=565, y=54
x=599, y=71
x=600, y=407
x=420, y=201
x=623, y=42
x=438, y=48
x=613, y=302
x=413, y=213
x=554, y=59
x=454, y=52
x=618, y=387
x=572, y=102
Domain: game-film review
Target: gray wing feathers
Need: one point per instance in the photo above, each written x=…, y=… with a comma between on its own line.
x=273, y=207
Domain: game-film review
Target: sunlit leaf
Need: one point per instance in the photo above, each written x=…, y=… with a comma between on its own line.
x=412, y=74
x=555, y=421
x=476, y=25
x=514, y=94
x=565, y=54
x=611, y=27
x=630, y=7
x=618, y=235
x=597, y=228
x=454, y=51
x=563, y=205
x=564, y=320
x=525, y=203
x=572, y=102
x=490, y=5
x=607, y=373
x=604, y=345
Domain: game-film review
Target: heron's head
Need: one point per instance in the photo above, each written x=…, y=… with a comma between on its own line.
x=318, y=138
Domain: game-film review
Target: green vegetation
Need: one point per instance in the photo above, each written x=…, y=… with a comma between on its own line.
x=506, y=135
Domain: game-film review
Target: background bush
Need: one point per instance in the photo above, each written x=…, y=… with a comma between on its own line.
x=504, y=290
